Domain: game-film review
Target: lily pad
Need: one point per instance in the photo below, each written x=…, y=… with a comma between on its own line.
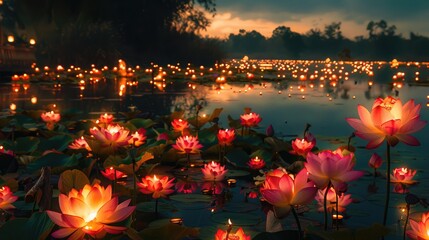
x=72, y=179
x=238, y=219
x=237, y=173
x=38, y=226
x=191, y=198
x=59, y=142
x=150, y=207
x=240, y=207
x=25, y=145
x=53, y=160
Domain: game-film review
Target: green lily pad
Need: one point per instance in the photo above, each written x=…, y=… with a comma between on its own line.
x=141, y=123
x=53, y=160
x=25, y=145
x=150, y=207
x=59, y=142
x=191, y=198
x=237, y=219
x=38, y=226
x=237, y=173
x=241, y=207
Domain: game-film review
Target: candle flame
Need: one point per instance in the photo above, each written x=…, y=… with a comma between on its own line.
x=229, y=221
x=155, y=178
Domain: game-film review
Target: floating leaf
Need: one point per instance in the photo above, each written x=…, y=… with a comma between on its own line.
x=191, y=198
x=59, y=143
x=141, y=123
x=374, y=232
x=53, y=160
x=126, y=165
x=25, y=145
x=72, y=179
x=169, y=231
x=239, y=219
x=38, y=226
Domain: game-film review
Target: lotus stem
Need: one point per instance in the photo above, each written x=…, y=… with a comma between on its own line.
x=336, y=209
x=324, y=205
x=406, y=220
x=297, y=222
x=386, y=205
x=156, y=206
x=114, y=181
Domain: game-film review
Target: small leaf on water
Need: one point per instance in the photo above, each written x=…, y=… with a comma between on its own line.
x=72, y=179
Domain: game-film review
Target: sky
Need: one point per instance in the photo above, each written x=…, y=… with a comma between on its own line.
x=302, y=15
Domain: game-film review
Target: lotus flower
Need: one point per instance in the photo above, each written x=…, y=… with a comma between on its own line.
x=186, y=186
x=419, y=230
x=157, y=187
x=179, y=125
x=390, y=120
x=310, y=138
x=301, y=147
x=110, y=173
x=90, y=210
x=187, y=144
x=250, y=119
x=331, y=166
x=269, y=131
x=343, y=200
x=283, y=190
x=403, y=175
x=106, y=118
x=375, y=161
x=214, y=171
x=256, y=163
x=239, y=235
x=113, y=136
x=225, y=137
x=6, y=198
x=138, y=138
x=162, y=136
x=80, y=143
x=252, y=194
x=213, y=187
x=50, y=118
x=4, y=151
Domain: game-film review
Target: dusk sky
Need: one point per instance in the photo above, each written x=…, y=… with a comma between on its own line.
x=302, y=15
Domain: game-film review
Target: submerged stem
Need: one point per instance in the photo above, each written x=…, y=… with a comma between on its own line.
x=297, y=222
x=406, y=220
x=336, y=209
x=386, y=205
x=324, y=205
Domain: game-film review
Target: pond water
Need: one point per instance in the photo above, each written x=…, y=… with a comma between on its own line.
x=286, y=97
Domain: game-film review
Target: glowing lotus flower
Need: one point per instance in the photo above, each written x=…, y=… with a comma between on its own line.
x=109, y=173
x=4, y=151
x=179, y=125
x=283, y=190
x=187, y=144
x=375, y=161
x=138, y=138
x=90, y=211
x=186, y=186
x=214, y=171
x=343, y=200
x=256, y=163
x=301, y=147
x=239, y=235
x=403, y=175
x=390, y=120
x=157, y=187
x=113, y=136
x=6, y=198
x=225, y=137
x=419, y=230
x=106, y=118
x=252, y=195
x=50, y=118
x=250, y=119
x=162, y=136
x=331, y=166
x=80, y=143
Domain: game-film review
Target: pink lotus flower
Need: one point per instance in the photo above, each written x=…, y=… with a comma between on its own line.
x=4, y=151
x=106, y=118
x=390, y=120
x=113, y=136
x=6, y=198
x=187, y=144
x=375, y=161
x=110, y=173
x=157, y=187
x=343, y=200
x=301, y=147
x=50, y=118
x=250, y=119
x=256, y=163
x=138, y=138
x=269, y=131
x=80, y=143
x=331, y=166
x=90, y=210
x=403, y=175
x=225, y=137
x=252, y=195
x=162, y=136
x=214, y=171
x=310, y=138
x=186, y=187
x=239, y=235
x=283, y=190
x=179, y=125
x=419, y=230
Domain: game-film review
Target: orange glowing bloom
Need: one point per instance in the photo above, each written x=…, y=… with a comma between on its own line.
x=390, y=120
x=187, y=144
x=50, y=118
x=403, y=175
x=283, y=190
x=138, y=138
x=4, y=151
x=80, y=143
x=214, y=171
x=225, y=137
x=239, y=235
x=250, y=119
x=301, y=147
x=343, y=200
x=6, y=198
x=179, y=125
x=419, y=230
x=256, y=163
x=106, y=118
x=157, y=187
x=110, y=173
x=113, y=136
x=90, y=211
